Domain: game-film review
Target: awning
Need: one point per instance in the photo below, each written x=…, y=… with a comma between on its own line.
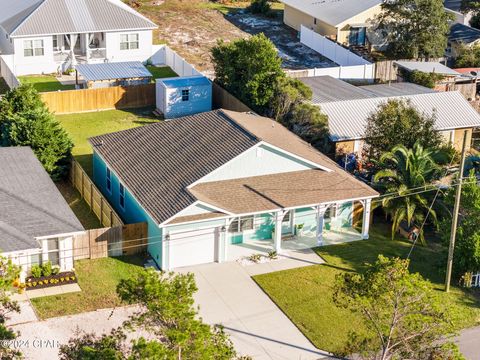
x=113, y=71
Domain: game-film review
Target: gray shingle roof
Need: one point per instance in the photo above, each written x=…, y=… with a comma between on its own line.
x=157, y=162
x=31, y=205
x=112, y=71
x=45, y=17
x=347, y=119
x=332, y=12
x=463, y=33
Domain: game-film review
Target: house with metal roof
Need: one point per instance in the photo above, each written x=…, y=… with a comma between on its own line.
x=461, y=36
x=48, y=36
x=348, y=108
x=36, y=223
x=344, y=21
x=221, y=185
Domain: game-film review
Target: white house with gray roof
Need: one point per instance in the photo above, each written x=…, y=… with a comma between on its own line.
x=47, y=36
x=36, y=223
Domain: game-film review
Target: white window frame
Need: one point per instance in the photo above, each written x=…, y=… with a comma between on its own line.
x=185, y=94
x=36, y=46
x=130, y=41
x=108, y=180
x=121, y=195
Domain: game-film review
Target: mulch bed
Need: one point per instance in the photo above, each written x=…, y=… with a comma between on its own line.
x=33, y=283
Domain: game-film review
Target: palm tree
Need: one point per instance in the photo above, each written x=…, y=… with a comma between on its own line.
x=405, y=174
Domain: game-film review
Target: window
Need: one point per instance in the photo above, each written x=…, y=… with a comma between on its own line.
x=55, y=42
x=122, y=196
x=33, y=48
x=286, y=218
x=185, y=95
x=109, y=180
x=246, y=223
x=315, y=21
x=233, y=228
x=129, y=42
x=35, y=259
x=52, y=248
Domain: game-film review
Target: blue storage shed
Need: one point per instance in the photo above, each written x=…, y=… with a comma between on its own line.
x=182, y=96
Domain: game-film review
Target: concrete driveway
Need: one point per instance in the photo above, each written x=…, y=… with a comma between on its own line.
x=227, y=295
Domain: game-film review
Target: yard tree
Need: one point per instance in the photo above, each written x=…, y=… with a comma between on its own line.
x=26, y=121
x=398, y=122
x=468, y=56
x=415, y=28
x=249, y=69
x=169, y=318
x=9, y=274
x=466, y=257
x=404, y=316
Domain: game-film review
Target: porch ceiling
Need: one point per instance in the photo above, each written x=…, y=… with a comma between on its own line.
x=285, y=190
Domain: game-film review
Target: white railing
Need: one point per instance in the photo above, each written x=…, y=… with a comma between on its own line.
x=351, y=66
x=163, y=55
x=6, y=69
x=475, y=280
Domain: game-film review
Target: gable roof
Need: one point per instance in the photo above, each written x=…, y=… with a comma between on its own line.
x=113, y=71
x=157, y=163
x=347, y=119
x=328, y=89
x=332, y=12
x=463, y=33
x=31, y=205
x=45, y=17
x=454, y=5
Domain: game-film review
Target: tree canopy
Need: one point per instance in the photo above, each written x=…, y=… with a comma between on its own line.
x=468, y=56
x=26, y=121
x=169, y=317
x=398, y=122
x=405, y=317
x=415, y=28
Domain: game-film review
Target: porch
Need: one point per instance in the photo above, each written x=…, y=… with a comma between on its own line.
x=79, y=48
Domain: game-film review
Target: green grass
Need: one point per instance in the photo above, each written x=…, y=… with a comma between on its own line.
x=85, y=125
x=305, y=294
x=45, y=83
x=98, y=280
x=79, y=207
x=160, y=72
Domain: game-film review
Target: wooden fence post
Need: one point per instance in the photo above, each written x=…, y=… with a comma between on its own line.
x=101, y=210
x=82, y=189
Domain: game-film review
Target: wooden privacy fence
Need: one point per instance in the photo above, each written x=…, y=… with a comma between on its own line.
x=115, y=241
x=93, y=197
x=224, y=100
x=117, y=97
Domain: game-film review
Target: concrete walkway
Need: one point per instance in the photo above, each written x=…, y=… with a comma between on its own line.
x=469, y=343
x=227, y=295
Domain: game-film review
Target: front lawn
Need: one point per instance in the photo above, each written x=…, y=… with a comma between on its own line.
x=98, y=280
x=45, y=83
x=160, y=72
x=85, y=125
x=305, y=294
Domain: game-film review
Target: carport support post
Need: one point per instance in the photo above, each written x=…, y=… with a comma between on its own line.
x=277, y=241
x=321, y=209
x=366, y=218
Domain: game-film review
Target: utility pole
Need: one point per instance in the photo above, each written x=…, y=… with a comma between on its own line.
x=456, y=208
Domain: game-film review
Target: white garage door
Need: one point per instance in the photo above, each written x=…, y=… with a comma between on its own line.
x=193, y=247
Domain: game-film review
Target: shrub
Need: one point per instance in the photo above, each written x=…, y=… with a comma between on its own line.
x=260, y=7
x=428, y=80
x=55, y=270
x=47, y=269
x=36, y=271
x=272, y=255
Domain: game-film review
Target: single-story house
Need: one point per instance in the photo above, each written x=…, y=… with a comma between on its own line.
x=48, y=36
x=461, y=36
x=344, y=21
x=348, y=108
x=129, y=73
x=220, y=185
x=426, y=67
x=182, y=96
x=36, y=223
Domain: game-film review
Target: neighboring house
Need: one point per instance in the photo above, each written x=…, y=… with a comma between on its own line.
x=94, y=76
x=461, y=36
x=344, y=21
x=47, y=36
x=454, y=6
x=36, y=223
x=348, y=108
x=183, y=96
x=221, y=185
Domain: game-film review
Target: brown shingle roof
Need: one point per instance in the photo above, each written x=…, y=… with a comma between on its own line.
x=285, y=190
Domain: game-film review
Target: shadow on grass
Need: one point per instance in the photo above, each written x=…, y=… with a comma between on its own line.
x=86, y=162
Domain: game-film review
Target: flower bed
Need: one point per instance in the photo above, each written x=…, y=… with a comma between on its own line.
x=42, y=282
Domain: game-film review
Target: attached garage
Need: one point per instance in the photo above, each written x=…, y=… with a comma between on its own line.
x=193, y=247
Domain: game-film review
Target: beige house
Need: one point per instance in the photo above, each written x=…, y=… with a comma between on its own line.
x=348, y=108
x=344, y=21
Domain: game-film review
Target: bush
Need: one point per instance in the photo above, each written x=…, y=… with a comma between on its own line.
x=47, y=269
x=260, y=7
x=36, y=271
x=55, y=270
x=428, y=80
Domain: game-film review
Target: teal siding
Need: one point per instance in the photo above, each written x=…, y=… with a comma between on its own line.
x=132, y=212
x=307, y=217
x=263, y=227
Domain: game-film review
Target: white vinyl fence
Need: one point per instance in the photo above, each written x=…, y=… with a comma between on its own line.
x=163, y=55
x=351, y=66
x=476, y=280
x=6, y=66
